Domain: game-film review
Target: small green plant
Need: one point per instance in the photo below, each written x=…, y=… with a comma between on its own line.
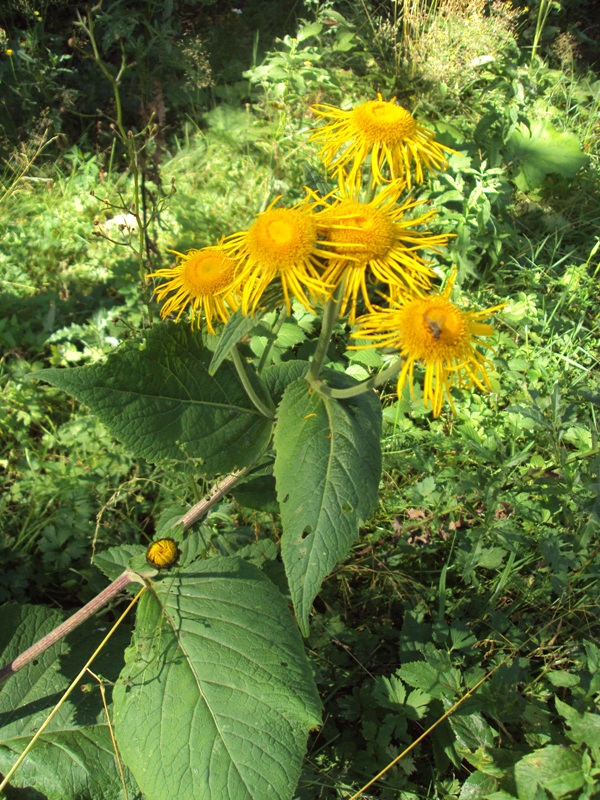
x=241, y=667
x=135, y=218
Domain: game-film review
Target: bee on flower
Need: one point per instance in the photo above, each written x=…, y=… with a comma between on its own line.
x=431, y=331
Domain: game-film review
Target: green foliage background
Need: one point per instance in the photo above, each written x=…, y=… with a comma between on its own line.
x=482, y=553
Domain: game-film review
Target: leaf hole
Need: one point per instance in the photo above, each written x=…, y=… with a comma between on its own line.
x=305, y=533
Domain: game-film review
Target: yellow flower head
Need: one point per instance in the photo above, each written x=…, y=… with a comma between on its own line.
x=281, y=242
x=383, y=131
x=162, y=553
x=374, y=240
x=432, y=331
x=204, y=280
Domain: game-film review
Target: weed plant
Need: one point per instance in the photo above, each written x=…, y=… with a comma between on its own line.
x=482, y=557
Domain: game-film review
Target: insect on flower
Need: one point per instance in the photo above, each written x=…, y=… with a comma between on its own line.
x=430, y=330
x=434, y=327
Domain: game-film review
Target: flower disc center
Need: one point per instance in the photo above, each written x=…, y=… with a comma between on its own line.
x=280, y=232
x=207, y=273
x=361, y=230
x=382, y=122
x=282, y=238
x=364, y=222
x=443, y=323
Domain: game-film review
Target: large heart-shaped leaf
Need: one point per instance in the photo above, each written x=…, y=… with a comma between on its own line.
x=161, y=401
x=542, y=150
x=217, y=696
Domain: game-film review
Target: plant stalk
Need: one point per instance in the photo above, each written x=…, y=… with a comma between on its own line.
x=330, y=315
x=88, y=610
x=360, y=388
x=238, y=361
x=203, y=506
x=128, y=139
x=112, y=590
x=56, y=708
x=543, y=11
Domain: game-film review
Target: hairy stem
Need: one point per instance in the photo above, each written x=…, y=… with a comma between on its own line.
x=240, y=367
x=57, y=707
x=88, y=610
x=330, y=315
x=112, y=590
x=360, y=388
x=202, y=507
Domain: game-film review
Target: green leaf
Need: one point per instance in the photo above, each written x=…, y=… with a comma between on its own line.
x=489, y=761
x=162, y=403
x=417, y=703
x=531, y=413
x=585, y=727
x=236, y=327
x=217, y=696
x=436, y=681
x=561, y=677
x=477, y=787
x=471, y=730
x=169, y=520
x=114, y=560
x=258, y=493
x=554, y=768
x=74, y=758
x=489, y=558
x=278, y=377
x=288, y=336
x=542, y=150
x=390, y=692
x=306, y=31
x=327, y=469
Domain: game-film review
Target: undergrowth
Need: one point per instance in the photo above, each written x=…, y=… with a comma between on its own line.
x=483, y=556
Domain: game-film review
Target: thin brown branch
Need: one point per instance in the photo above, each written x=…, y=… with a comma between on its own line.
x=203, y=506
x=187, y=520
x=68, y=625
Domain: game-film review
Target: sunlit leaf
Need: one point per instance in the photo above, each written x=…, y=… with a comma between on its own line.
x=74, y=757
x=327, y=469
x=541, y=150
x=161, y=401
x=217, y=696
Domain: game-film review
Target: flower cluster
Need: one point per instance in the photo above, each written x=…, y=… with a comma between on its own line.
x=362, y=248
